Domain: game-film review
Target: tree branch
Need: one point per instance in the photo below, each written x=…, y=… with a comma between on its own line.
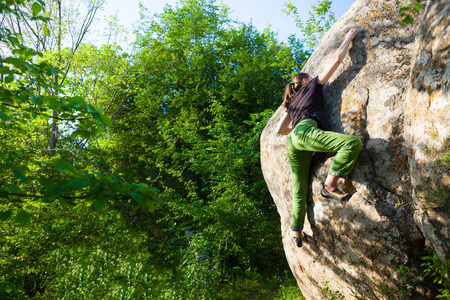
x=109, y=104
x=40, y=196
x=42, y=114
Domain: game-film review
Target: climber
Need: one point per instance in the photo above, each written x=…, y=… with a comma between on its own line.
x=303, y=100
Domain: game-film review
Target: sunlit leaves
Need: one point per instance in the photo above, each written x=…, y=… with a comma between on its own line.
x=99, y=188
x=36, y=8
x=409, y=9
x=30, y=97
x=320, y=20
x=191, y=126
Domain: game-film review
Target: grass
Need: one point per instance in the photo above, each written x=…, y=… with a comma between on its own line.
x=271, y=288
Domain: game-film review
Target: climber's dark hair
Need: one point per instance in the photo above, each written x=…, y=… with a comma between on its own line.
x=293, y=87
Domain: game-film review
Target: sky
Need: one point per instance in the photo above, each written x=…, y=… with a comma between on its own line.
x=260, y=13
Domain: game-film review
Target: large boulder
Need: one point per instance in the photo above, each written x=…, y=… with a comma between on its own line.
x=392, y=91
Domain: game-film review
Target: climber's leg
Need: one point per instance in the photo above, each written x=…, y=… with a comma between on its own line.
x=346, y=146
x=348, y=149
x=315, y=139
x=299, y=161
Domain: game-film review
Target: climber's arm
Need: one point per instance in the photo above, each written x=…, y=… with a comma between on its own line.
x=338, y=56
x=283, y=126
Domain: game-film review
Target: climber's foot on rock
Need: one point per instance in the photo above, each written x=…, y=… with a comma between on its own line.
x=308, y=239
x=298, y=241
x=334, y=193
x=298, y=238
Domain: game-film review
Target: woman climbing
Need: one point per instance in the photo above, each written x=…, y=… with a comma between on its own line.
x=303, y=100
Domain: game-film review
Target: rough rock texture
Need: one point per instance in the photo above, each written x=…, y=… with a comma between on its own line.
x=392, y=91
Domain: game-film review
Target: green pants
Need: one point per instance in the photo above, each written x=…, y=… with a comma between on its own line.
x=305, y=139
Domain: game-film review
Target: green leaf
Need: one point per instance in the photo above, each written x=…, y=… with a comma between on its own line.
x=58, y=190
x=4, y=117
x=53, y=102
x=19, y=172
x=4, y=70
x=106, y=120
x=36, y=8
x=47, y=31
x=63, y=165
x=76, y=102
x=48, y=199
x=97, y=116
x=148, y=192
x=47, y=183
x=35, y=99
x=20, y=176
x=78, y=183
x=4, y=215
x=63, y=202
x=99, y=204
x=146, y=202
x=75, y=134
x=9, y=78
x=82, y=133
x=23, y=217
x=138, y=198
x=417, y=8
x=407, y=19
x=150, y=205
x=90, y=109
x=98, y=174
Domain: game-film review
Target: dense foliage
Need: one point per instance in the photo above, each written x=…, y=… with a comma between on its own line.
x=87, y=130
x=319, y=22
x=190, y=124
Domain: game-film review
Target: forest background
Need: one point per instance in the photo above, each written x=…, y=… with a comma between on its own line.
x=137, y=175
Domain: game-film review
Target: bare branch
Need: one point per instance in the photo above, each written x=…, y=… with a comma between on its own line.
x=92, y=11
x=109, y=104
x=38, y=38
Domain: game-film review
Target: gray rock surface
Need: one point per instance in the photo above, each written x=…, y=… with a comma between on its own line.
x=392, y=91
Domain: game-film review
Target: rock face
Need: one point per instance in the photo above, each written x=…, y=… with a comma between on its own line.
x=392, y=91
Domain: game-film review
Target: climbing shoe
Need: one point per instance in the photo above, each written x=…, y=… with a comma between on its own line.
x=298, y=241
x=336, y=194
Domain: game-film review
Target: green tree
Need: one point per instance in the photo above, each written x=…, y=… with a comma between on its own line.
x=29, y=179
x=23, y=108
x=191, y=126
x=61, y=26
x=321, y=18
